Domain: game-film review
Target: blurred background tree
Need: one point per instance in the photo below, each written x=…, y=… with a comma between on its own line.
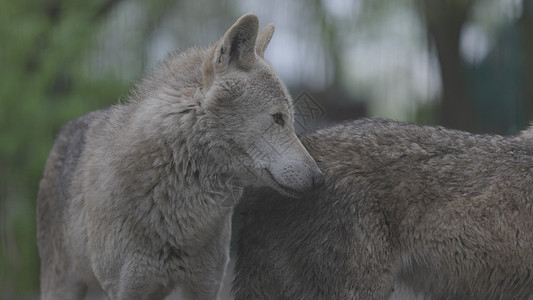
x=444, y=21
x=465, y=64
x=43, y=83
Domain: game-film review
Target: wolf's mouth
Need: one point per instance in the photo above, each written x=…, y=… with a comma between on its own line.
x=284, y=190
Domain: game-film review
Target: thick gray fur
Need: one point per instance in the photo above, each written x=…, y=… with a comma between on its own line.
x=446, y=212
x=138, y=198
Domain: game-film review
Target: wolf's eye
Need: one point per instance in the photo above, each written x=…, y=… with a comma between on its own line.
x=278, y=118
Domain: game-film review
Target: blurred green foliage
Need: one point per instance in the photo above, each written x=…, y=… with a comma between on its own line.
x=44, y=81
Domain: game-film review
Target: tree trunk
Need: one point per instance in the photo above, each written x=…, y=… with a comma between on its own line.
x=444, y=21
x=526, y=30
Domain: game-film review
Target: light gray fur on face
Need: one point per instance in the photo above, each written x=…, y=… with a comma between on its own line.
x=242, y=98
x=270, y=151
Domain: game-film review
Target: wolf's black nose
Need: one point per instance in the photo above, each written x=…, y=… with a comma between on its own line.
x=318, y=180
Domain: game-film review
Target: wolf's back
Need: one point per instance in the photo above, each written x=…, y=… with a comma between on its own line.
x=59, y=171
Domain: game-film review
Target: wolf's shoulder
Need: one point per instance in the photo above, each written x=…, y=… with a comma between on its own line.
x=68, y=147
x=82, y=123
x=72, y=136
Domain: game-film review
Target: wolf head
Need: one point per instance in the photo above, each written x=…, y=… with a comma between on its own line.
x=252, y=111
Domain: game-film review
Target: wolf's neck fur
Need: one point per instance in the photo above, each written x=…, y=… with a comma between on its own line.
x=182, y=172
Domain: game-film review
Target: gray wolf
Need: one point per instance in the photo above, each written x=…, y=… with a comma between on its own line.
x=134, y=198
x=446, y=212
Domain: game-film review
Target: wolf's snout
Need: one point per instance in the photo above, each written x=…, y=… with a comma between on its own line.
x=318, y=179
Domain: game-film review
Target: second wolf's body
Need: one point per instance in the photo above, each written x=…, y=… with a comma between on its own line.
x=447, y=212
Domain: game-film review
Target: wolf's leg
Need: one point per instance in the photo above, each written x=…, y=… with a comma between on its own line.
x=146, y=277
x=59, y=286
x=58, y=279
x=206, y=281
x=208, y=267
x=67, y=291
x=143, y=277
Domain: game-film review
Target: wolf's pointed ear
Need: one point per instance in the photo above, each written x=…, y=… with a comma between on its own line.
x=235, y=49
x=263, y=38
x=238, y=43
